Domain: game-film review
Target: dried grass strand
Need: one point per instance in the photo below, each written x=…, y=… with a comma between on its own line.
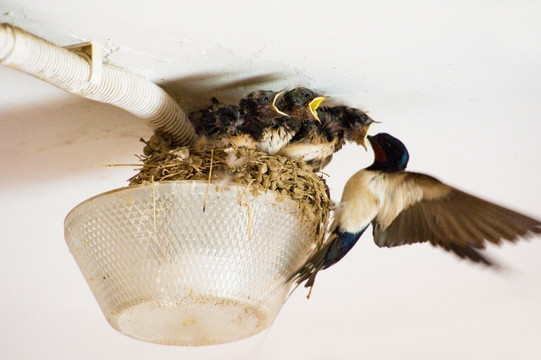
x=249, y=209
x=154, y=221
x=208, y=182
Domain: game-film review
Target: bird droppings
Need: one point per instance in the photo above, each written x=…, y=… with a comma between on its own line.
x=258, y=171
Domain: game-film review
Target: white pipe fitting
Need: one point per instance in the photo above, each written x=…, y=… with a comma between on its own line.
x=72, y=72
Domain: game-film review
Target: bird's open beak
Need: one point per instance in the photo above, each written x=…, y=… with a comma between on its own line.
x=314, y=104
x=363, y=144
x=362, y=135
x=365, y=135
x=361, y=138
x=273, y=105
x=379, y=153
x=370, y=140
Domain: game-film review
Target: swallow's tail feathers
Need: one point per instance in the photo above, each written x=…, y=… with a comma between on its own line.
x=336, y=247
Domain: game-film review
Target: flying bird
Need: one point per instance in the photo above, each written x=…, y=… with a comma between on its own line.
x=407, y=207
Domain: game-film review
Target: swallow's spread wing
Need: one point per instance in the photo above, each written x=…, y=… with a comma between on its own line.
x=445, y=217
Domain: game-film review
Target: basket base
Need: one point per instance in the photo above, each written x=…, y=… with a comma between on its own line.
x=194, y=321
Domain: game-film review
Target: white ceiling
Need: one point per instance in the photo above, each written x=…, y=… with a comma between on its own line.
x=459, y=82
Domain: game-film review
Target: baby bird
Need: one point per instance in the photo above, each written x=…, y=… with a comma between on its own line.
x=217, y=123
x=265, y=123
x=260, y=105
x=243, y=125
x=406, y=207
x=301, y=104
x=259, y=113
x=346, y=124
x=339, y=124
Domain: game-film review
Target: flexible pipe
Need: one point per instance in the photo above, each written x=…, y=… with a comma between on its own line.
x=71, y=72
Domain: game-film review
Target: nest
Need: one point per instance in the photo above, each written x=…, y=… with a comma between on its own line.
x=258, y=171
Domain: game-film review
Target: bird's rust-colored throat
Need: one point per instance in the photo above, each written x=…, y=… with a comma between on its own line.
x=379, y=153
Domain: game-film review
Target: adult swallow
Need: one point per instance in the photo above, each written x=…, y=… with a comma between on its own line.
x=317, y=143
x=406, y=207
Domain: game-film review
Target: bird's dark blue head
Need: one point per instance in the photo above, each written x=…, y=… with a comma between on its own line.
x=390, y=154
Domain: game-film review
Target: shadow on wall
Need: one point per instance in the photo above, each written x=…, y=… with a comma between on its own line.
x=194, y=92
x=62, y=138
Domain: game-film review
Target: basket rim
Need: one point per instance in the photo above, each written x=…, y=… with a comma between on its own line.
x=214, y=183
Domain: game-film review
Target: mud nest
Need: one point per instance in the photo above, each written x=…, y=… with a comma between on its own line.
x=258, y=171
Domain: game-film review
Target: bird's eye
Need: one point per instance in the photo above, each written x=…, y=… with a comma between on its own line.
x=307, y=96
x=266, y=99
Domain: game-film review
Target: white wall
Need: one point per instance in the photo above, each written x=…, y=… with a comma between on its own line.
x=458, y=82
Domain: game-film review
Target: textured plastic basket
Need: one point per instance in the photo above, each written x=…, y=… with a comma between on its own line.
x=164, y=271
